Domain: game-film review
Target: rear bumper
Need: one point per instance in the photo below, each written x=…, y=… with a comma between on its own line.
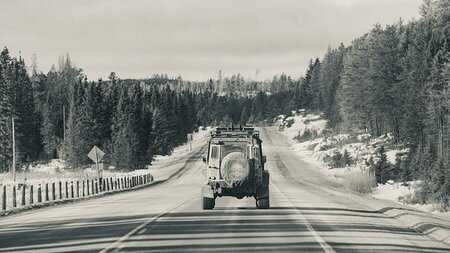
x=244, y=189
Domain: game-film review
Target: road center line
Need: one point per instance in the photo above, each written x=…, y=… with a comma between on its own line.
x=325, y=246
x=116, y=244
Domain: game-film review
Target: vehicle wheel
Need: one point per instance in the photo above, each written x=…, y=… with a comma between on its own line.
x=208, y=203
x=263, y=203
x=266, y=178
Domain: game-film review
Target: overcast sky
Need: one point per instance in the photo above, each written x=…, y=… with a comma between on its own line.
x=190, y=37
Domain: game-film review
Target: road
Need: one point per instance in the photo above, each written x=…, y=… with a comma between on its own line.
x=167, y=217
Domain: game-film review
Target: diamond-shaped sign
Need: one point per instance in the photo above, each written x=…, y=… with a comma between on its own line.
x=96, y=154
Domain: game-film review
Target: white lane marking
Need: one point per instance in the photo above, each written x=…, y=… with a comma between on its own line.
x=142, y=231
x=325, y=246
x=116, y=246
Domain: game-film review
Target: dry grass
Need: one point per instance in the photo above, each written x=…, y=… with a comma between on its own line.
x=360, y=181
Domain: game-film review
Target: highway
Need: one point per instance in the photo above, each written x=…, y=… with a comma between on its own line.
x=167, y=217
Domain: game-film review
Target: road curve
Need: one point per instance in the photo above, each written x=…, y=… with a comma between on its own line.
x=167, y=217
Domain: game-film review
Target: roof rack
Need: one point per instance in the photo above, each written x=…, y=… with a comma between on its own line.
x=235, y=132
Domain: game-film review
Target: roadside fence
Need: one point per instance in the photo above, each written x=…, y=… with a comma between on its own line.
x=22, y=195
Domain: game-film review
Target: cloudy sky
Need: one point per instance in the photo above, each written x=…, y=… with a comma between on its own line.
x=194, y=38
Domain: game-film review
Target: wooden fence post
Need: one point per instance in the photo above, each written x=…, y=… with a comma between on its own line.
x=14, y=196
x=107, y=184
x=93, y=187
x=46, y=192
x=4, y=198
x=111, y=183
x=71, y=189
x=53, y=191
x=78, y=189
x=82, y=186
x=87, y=187
x=60, y=190
x=31, y=195
x=67, y=190
x=24, y=188
x=39, y=194
x=96, y=186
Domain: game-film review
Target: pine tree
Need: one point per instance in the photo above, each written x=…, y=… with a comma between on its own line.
x=382, y=166
x=27, y=128
x=48, y=131
x=159, y=132
x=354, y=93
x=5, y=110
x=124, y=138
x=74, y=144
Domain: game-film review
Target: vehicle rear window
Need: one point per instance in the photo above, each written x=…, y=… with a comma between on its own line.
x=234, y=147
x=214, y=152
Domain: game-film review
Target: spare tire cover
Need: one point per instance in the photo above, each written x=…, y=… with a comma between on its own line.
x=235, y=167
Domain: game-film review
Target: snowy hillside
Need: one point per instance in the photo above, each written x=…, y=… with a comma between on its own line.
x=321, y=147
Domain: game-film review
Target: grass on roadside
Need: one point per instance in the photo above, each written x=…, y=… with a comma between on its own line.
x=361, y=181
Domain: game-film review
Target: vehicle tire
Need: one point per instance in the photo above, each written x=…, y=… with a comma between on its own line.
x=263, y=203
x=266, y=178
x=208, y=203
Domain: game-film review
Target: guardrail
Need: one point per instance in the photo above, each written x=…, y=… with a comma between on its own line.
x=21, y=195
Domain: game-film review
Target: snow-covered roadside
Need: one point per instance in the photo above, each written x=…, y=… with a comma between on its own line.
x=55, y=177
x=400, y=192
x=165, y=166
x=317, y=151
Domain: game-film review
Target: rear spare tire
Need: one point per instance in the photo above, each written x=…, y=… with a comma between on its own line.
x=235, y=168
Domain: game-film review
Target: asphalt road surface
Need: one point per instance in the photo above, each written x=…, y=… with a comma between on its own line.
x=167, y=217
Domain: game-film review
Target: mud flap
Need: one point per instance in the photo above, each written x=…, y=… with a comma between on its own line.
x=207, y=192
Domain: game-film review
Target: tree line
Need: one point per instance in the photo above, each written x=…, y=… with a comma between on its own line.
x=394, y=79
x=61, y=114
